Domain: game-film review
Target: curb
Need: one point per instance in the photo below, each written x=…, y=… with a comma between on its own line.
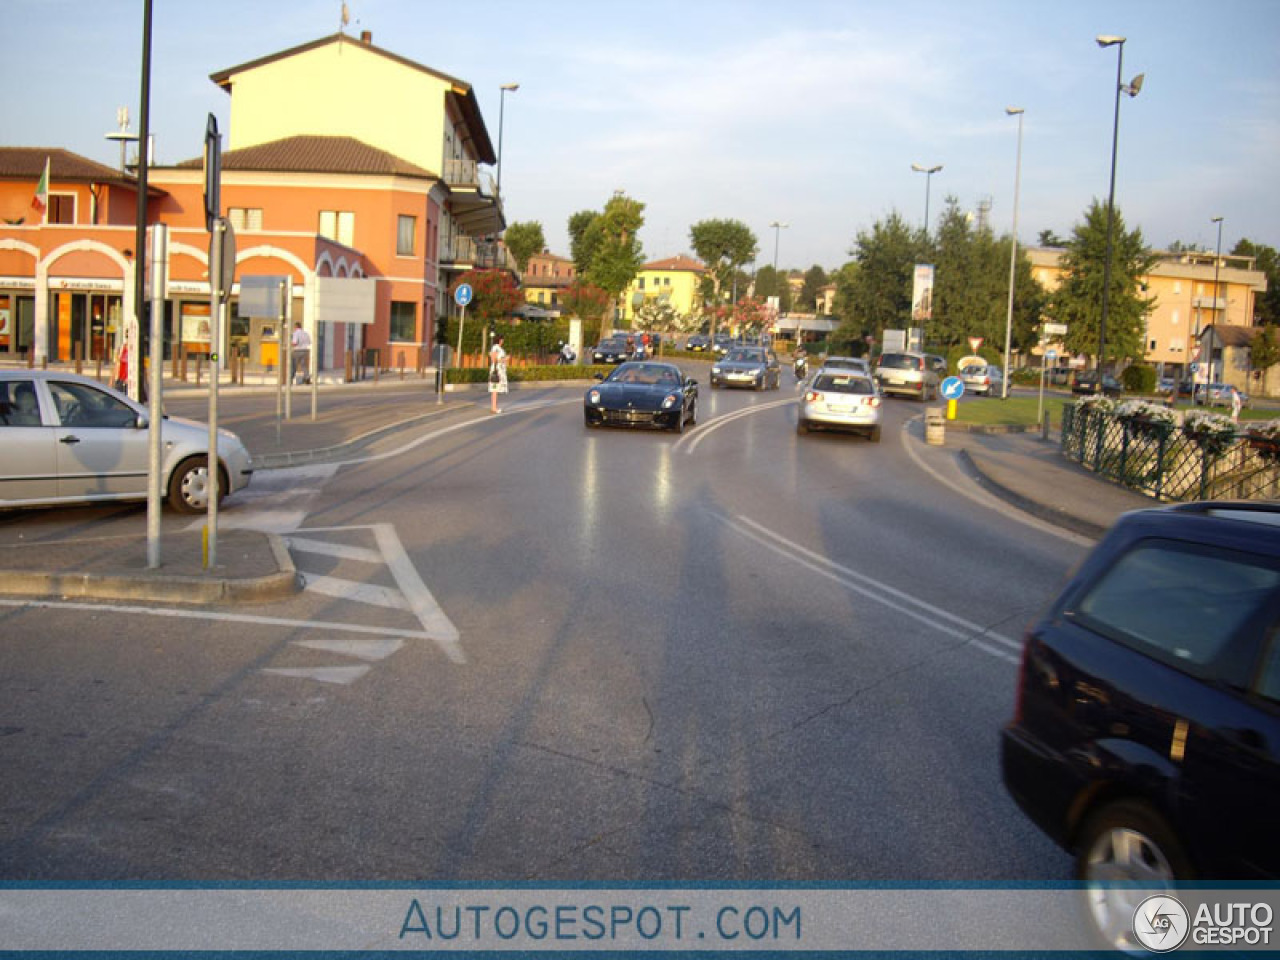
x=1059, y=518
x=162, y=588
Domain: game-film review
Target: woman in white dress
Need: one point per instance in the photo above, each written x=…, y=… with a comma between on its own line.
x=497, y=373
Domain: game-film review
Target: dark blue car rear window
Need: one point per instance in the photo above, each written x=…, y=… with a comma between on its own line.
x=1181, y=603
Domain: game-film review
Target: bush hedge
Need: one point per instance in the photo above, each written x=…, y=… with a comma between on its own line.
x=1139, y=378
x=544, y=372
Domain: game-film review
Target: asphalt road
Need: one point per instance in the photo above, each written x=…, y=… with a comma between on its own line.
x=529, y=651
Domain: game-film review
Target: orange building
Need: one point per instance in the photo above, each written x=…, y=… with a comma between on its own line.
x=322, y=184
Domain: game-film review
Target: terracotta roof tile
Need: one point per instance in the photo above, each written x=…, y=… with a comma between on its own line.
x=312, y=154
x=27, y=163
x=680, y=262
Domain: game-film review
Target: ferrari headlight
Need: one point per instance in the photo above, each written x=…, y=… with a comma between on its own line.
x=671, y=400
x=594, y=396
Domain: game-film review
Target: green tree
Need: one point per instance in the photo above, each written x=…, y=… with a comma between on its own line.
x=1266, y=260
x=874, y=292
x=524, y=240
x=617, y=255
x=1048, y=238
x=1264, y=352
x=583, y=240
x=815, y=278
x=494, y=294
x=591, y=304
x=725, y=246
x=1078, y=300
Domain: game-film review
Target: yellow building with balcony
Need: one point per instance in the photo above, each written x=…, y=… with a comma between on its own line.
x=1186, y=303
x=676, y=280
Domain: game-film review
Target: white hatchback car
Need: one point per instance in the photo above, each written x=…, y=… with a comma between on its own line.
x=69, y=439
x=839, y=399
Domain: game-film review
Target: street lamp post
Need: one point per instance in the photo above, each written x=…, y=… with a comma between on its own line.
x=1131, y=89
x=928, y=178
x=502, y=103
x=1013, y=253
x=1217, y=262
x=778, y=227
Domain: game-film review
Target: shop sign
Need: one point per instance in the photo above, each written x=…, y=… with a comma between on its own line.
x=86, y=283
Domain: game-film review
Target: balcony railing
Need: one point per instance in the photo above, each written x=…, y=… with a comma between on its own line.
x=482, y=254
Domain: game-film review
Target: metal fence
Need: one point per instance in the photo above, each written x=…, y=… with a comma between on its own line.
x=1168, y=463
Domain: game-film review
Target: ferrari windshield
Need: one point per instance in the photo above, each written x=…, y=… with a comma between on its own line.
x=646, y=374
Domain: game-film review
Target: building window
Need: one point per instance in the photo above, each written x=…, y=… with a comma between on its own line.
x=338, y=225
x=406, y=229
x=62, y=208
x=245, y=218
x=404, y=318
x=640, y=284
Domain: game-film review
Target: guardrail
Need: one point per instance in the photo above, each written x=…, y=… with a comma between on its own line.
x=1167, y=462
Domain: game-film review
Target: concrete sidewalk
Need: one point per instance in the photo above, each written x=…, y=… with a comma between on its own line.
x=1020, y=468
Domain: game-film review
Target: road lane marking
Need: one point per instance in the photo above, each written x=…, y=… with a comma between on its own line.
x=453, y=428
x=340, y=550
x=418, y=598
x=353, y=590
x=370, y=650
x=216, y=616
x=882, y=593
x=690, y=442
x=342, y=675
x=985, y=499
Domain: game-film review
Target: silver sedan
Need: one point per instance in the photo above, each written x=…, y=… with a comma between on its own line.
x=841, y=400
x=69, y=439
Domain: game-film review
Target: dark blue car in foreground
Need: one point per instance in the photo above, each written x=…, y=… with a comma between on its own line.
x=1146, y=733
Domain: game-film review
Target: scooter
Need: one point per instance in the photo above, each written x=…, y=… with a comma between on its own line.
x=801, y=367
x=565, y=356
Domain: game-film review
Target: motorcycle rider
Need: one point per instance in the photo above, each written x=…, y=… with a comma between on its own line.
x=801, y=361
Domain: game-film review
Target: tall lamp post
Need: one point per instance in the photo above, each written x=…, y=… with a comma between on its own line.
x=1106, y=40
x=778, y=227
x=928, y=178
x=1013, y=253
x=1217, y=262
x=502, y=103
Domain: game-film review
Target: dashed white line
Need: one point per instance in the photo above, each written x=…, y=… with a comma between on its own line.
x=882, y=593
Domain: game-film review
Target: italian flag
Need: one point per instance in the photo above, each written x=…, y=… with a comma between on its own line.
x=40, y=202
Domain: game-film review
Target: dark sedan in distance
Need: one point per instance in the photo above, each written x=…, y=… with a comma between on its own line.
x=610, y=350
x=642, y=394
x=753, y=367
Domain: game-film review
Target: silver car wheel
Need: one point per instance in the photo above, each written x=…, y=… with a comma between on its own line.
x=1121, y=869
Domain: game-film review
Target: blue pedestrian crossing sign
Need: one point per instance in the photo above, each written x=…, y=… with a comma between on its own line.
x=952, y=388
x=462, y=296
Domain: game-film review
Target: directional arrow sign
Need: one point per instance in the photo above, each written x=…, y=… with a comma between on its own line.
x=952, y=388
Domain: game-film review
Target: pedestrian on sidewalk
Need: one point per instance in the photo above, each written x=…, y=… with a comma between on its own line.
x=497, y=372
x=1236, y=403
x=301, y=345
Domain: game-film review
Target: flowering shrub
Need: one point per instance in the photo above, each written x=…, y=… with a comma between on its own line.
x=1096, y=402
x=1211, y=432
x=1267, y=430
x=1147, y=412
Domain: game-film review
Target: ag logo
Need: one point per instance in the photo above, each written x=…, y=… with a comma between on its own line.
x=1161, y=923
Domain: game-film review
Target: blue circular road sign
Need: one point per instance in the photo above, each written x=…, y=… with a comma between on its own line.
x=952, y=388
x=462, y=296
x=1051, y=354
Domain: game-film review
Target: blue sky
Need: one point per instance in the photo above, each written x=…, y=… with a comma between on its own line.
x=808, y=112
